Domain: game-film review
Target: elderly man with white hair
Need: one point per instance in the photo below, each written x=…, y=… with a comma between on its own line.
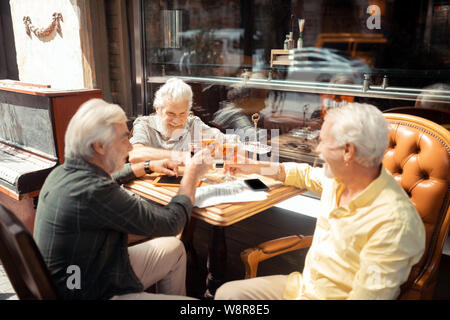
x=368, y=233
x=84, y=216
x=167, y=133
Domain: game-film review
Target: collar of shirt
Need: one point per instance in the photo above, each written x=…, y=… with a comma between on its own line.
x=363, y=199
x=81, y=164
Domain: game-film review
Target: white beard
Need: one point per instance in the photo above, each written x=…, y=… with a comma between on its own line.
x=170, y=133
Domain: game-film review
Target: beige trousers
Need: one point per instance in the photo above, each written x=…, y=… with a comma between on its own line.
x=259, y=288
x=160, y=261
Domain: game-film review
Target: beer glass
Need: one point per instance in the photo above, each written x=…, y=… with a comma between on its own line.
x=229, y=150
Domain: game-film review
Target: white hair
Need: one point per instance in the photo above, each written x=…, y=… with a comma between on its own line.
x=364, y=126
x=174, y=90
x=93, y=122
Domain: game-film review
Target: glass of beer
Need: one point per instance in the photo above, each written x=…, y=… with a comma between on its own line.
x=230, y=151
x=208, y=141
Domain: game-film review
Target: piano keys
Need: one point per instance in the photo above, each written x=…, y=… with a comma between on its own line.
x=22, y=172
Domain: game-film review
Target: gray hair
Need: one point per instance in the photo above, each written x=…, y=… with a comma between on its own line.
x=174, y=90
x=364, y=126
x=93, y=122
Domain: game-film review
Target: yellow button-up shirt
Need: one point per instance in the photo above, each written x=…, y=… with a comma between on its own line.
x=361, y=251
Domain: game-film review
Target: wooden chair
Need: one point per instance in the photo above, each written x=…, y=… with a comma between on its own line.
x=23, y=261
x=418, y=156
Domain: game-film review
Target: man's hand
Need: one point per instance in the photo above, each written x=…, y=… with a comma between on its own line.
x=269, y=169
x=165, y=166
x=141, y=153
x=196, y=168
x=200, y=163
x=243, y=165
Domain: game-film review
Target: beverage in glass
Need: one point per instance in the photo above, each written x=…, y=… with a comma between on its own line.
x=208, y=141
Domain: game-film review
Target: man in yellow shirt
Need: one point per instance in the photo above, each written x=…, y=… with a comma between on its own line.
x=368, y=234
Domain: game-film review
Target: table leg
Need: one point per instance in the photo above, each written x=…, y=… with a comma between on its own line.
x=195, y=274
x=187, y=234
x=187, y=238
x=217, y=261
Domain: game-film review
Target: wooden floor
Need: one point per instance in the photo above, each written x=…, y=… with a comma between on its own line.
x=267, y=225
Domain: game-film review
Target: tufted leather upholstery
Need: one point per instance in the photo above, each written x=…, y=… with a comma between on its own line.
x=418, y=156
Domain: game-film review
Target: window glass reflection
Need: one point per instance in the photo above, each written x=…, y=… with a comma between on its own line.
x=398, y=38
x=348, y=46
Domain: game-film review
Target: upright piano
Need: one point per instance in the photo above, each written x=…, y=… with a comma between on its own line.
x=33, y=122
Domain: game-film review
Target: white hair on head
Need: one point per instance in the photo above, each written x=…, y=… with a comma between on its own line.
x=174, y=90
x=93, y=122
x=364, y=126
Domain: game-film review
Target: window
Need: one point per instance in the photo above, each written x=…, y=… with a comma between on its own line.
x=374, y=51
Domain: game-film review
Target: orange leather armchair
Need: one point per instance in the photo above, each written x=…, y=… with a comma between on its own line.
x=418, y=156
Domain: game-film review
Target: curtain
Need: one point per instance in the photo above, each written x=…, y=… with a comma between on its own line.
x=8, y=62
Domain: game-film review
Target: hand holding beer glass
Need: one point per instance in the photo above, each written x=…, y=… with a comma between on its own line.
x=229, y=150
x=224, y=149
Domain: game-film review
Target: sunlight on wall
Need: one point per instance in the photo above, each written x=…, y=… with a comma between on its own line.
x=56, y=59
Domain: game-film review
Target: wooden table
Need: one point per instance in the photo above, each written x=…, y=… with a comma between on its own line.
x=218, y=216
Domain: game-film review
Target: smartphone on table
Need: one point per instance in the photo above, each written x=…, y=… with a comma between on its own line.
x=256, y=184
x=169, y=181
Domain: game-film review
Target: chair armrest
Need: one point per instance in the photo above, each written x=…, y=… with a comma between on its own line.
x=253, y=256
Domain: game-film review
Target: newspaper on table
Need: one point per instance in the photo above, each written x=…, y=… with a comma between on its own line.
x=232, y=191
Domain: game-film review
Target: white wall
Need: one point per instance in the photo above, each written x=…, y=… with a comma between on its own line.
x=56, y=61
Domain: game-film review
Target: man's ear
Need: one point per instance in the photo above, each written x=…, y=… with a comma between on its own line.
x=99, y=147
x=349, y=152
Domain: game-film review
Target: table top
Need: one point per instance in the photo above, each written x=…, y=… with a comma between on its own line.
x=222, y=214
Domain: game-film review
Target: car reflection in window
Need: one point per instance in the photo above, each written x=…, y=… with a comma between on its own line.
x=299, y=115
x=215, y=52
x=321, y=64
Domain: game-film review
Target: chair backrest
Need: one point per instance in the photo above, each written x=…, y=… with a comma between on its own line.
x=418, y=156
x=438, y=116
x=23, y=261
